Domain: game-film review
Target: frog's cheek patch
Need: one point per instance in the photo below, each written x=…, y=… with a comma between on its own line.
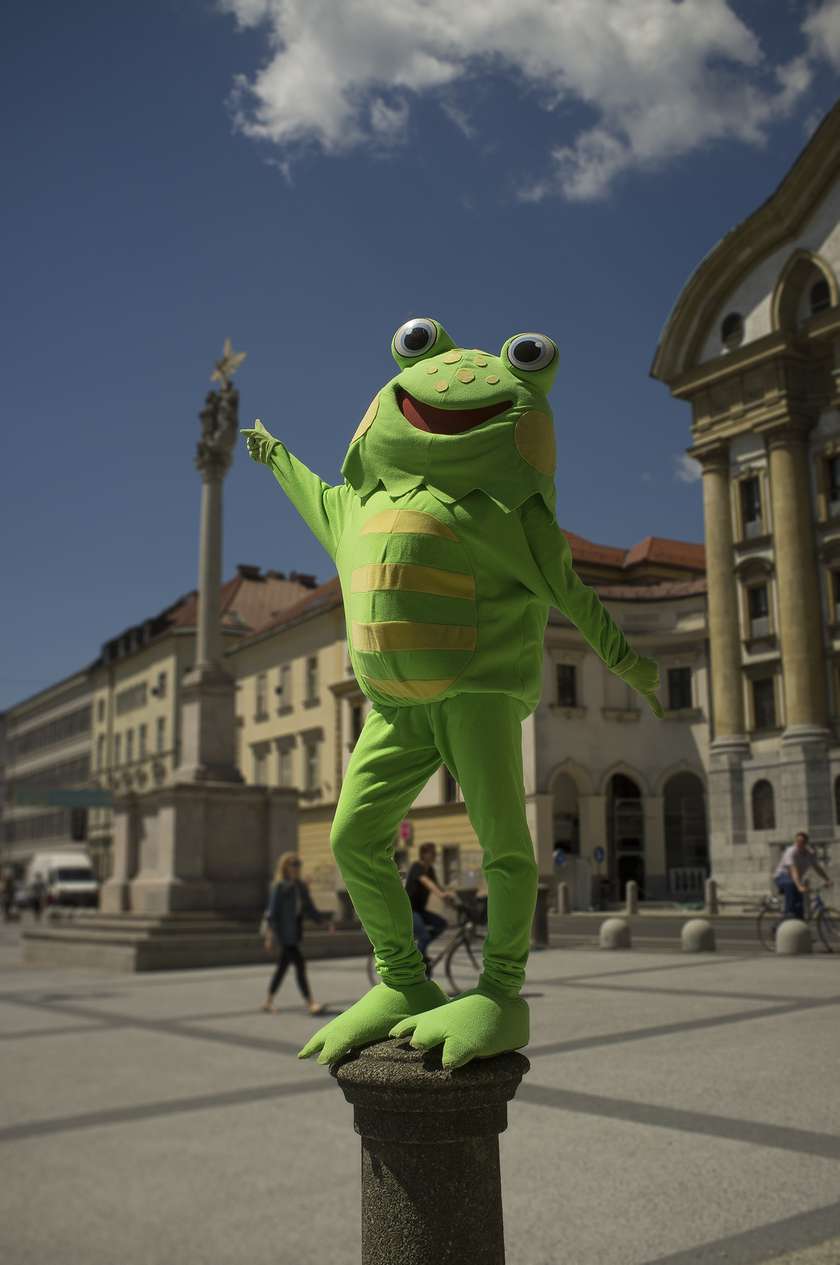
x=368, y=419
x=534, y=438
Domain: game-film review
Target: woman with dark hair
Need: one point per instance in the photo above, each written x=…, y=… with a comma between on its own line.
x=289, y=902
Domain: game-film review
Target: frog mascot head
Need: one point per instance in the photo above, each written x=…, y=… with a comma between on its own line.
x=449, y=557
x=475, y=421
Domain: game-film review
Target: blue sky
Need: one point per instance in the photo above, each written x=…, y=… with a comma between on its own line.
x=179, y=172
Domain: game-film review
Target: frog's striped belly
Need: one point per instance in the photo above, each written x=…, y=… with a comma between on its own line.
x=412, y=606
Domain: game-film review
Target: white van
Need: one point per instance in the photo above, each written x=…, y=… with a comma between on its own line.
x=68, y=876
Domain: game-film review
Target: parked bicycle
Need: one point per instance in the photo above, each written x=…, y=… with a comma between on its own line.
x=823, y=921
x=462, y=955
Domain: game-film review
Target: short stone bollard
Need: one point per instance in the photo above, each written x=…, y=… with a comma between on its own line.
x=539, y=926
x=698, y=936
x=431, y=1183
x=631, y=896
x=564, y=899
x=710, y=901
x=615, y=934
x=794, y=936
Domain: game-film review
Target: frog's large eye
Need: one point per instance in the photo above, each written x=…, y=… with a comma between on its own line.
x=531, y=352
x=415, y=338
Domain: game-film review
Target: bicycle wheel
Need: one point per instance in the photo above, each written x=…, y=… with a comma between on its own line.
x=463, y=960
x=828, y=925
x=767, y=926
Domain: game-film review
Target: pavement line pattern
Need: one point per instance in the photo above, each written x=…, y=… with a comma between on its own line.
x=167, y=1107
x=767, y=1242
x=756, y=1132
x=685, y=1025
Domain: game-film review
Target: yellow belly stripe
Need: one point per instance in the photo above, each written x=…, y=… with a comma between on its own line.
x=416, y=579
x=409, y=689
x=403, y=634
x=407, y=521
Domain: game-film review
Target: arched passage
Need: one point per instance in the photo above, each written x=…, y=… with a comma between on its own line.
x=686, y=836
x=625, y=835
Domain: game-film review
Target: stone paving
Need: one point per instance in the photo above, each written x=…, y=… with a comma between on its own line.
x=680, y=1110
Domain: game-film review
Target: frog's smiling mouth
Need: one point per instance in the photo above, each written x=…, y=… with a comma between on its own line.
x=446, y=421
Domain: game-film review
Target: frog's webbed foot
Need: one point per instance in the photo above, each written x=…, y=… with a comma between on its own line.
x=371, y=1018
x=474, y=1025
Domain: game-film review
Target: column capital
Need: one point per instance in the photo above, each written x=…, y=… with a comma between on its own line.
x=712, y=456
x=787, y=431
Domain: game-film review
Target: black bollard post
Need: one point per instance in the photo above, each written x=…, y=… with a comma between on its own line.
x=431, y=1185
x=539, y=926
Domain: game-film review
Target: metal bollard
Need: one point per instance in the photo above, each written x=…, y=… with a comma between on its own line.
x=431, y=1183
x=564, y=899
x=711, y=897
x=631, y=895
x=539, y=927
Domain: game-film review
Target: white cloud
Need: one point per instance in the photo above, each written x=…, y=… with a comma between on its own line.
x=822, y=26
x=661, y=77
x=686, y=468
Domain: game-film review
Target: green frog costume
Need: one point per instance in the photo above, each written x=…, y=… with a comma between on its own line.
x=449, y=557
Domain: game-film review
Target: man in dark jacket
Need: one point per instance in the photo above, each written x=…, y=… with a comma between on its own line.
x=420, y=881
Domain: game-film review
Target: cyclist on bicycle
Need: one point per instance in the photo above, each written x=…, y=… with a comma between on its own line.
x=420, y=880
x=796, y=861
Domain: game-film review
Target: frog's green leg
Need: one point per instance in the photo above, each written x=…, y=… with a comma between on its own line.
x=480, y=739
x=391, y=763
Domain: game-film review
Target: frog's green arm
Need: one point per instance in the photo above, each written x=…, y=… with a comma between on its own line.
x=565, y=589
x=320, y=506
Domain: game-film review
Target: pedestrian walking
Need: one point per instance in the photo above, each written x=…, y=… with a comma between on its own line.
x=8, y=894
x=796, y=861
x=39, y=896
x=290, y=902
x=420, y=881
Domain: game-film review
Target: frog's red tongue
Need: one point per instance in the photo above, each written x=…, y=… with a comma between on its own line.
x=446, y=421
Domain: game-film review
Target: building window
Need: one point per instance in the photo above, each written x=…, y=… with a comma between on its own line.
x=832, y=467
x=679, y=688
x=763, y=809
x=285, y=769
x=357, y=721
x=732, y=331
x=260, y=763
x=312, y=769
x=160, y=740
x=837, y=801
x=759, y=610
x=566, y=685
x=100, y=710
x=160, y=689
x=78, y=824
x=451, y=863
x=141, y=742
x=450, y=787
x=835, y=597
x=100, y=752
x=764, y=703
x=262, y=696
x=751, y=506
x=284, y=688
x=117, y=748
x=129, y=746
x=820, y=296
x=312, y=680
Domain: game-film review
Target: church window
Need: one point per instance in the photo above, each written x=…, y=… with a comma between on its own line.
x=732, y=331
x=764, y=703
x=751, y=506
x=759, y=610
x=679, y=688
x=763, y=808
x=820, y=296
x=566, y=685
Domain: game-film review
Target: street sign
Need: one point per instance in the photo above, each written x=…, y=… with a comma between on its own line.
x=406, y=831
x=559, y=858
x=87, y=797
x=599, y=855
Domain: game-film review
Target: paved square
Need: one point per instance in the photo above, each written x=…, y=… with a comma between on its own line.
x=679, y=1110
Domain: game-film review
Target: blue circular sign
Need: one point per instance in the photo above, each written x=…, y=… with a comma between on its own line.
x=559, y=857
x=599, y=855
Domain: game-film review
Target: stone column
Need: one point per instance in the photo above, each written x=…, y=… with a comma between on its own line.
x=208, y=692
x=800, y=622
x=431, y=1183
x=114, y=896
x=724, y=625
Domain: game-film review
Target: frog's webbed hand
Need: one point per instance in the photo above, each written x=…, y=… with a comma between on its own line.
x=259, y=442
x=643, y=675
x=474, y=1025
x=371, y=1018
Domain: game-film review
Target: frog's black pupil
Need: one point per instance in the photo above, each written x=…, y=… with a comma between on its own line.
x=528, y=351
x=416, y=338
